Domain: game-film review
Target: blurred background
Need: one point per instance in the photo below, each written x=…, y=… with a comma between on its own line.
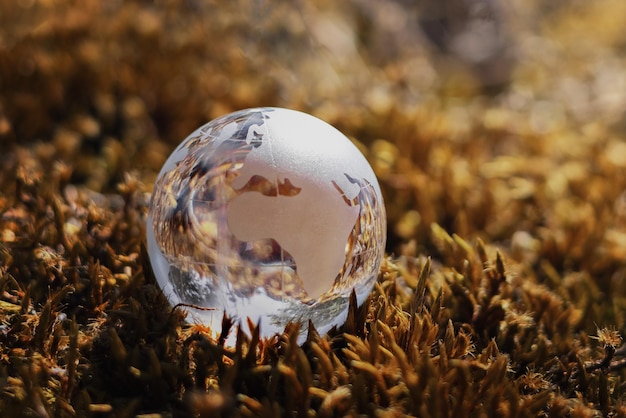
x=493, y=119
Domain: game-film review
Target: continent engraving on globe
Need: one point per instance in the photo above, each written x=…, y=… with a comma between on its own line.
x=263, y=205
x=294, y=216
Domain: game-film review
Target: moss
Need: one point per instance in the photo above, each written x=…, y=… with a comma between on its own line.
x=504, y=291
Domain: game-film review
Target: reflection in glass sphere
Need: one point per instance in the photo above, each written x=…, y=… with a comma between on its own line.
x=270, y=214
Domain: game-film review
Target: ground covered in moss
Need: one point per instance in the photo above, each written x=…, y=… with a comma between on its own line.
x=496, y=130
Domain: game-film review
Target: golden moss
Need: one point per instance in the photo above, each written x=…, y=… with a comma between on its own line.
x=504, y=293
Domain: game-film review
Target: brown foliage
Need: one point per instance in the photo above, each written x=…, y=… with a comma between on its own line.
x=505, y=291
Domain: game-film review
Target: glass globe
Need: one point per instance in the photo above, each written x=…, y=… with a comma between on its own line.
x=270, y=214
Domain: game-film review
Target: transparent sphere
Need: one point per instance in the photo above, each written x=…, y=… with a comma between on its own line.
x=270, y=214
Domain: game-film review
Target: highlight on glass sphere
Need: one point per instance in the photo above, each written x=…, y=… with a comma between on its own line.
x=269, y=214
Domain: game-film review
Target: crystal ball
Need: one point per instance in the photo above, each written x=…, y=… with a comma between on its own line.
x=269, y=214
